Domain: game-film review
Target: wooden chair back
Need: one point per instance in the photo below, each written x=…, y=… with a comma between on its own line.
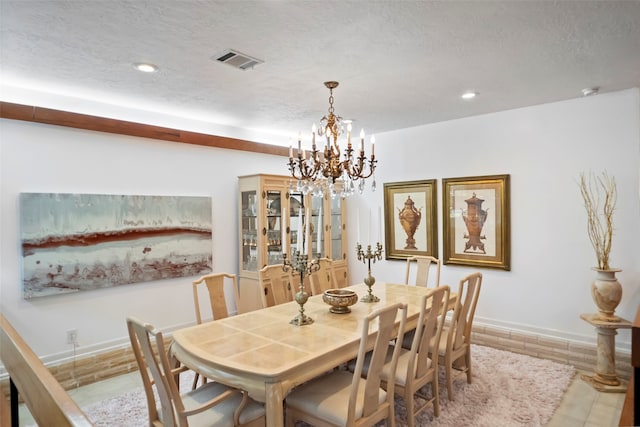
x=433, y=311
x=215, y=284
x=340, y=273
x=464, y=311
x=323, y=279
x=140, y=337
x=421, y=366
x=455, y=349
x=276, y=285
x=224, y=405
x=385, y=319
x=423, y=267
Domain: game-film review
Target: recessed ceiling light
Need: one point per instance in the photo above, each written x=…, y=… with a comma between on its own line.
x=589, y=91
x=146, y=67
x=469, y=95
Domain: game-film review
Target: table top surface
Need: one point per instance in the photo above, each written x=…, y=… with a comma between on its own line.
x=264, y=343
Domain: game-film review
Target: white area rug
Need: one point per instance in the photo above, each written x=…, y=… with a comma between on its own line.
x=508, y=389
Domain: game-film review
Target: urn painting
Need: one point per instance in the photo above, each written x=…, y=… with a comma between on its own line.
x=476, y=221
x=474, y=218
x=410, y=219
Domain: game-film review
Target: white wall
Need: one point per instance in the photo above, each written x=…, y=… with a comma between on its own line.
x=544, y=149
x=43, y=158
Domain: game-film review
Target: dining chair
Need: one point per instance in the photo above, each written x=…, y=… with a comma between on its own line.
x=322, y=279
x=415, y=367
x=454, y=349
x=340, y=272
x=212, y=404
x=342, y=398
x=215, y=284
x=423, y=266
x=275, y=284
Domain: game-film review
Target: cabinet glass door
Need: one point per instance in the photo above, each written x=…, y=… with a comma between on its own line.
x=275, y=226
x=336, y=228
x=249, y=231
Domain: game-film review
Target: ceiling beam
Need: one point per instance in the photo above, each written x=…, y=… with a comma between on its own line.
x=101, y=124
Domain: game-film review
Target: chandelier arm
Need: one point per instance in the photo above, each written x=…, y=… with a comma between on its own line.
x=303, y=171
x=356, y=171
x=327, y=163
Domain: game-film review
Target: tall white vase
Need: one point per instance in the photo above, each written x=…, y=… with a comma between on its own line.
x=607, y=293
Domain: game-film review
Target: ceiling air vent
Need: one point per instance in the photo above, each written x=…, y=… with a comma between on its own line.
x=237, y=59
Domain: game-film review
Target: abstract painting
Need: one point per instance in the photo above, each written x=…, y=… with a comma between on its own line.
x=78, y=242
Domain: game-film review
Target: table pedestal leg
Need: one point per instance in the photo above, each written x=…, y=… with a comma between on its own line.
x=605, y=378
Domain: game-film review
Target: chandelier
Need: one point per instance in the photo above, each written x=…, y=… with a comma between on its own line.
x=318, y=170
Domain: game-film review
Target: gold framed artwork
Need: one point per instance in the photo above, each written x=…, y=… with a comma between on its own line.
x=476, y=221
x=411, y=219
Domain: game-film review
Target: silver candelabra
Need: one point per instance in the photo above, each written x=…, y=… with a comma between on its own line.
x=300, y=264
x=366, y=257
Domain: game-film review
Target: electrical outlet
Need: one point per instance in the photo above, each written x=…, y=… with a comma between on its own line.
x=72, y=336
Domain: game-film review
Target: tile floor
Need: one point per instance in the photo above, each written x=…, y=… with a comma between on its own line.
x=581, y=406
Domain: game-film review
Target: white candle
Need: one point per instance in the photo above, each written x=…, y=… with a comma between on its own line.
x=379, y=223
x=290, y=151
x=320, y=229
x=313, y=136
x=299, y=232
x=283, y=242
x=307, y=230
x=358, y=224
x=369, y=226
x=349, y=134
x=361, y=140
x=373, y=145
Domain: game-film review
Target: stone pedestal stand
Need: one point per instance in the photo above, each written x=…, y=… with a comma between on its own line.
x=605, y=378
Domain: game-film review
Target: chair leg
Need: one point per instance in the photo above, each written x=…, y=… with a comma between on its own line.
x=467, y=360
x=436, y=395
x=195, y=381
x=448, y=366
x=411, y=415
x=391, y=422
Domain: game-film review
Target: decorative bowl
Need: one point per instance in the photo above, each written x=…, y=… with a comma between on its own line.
x=339, y=300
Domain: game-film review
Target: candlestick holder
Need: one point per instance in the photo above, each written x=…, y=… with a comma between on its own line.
x=302, y=266
x=367, y=257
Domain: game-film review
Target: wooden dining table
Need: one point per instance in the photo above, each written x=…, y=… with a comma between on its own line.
x=262, y=353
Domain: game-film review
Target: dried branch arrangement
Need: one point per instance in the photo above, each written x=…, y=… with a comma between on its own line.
x=600, y=196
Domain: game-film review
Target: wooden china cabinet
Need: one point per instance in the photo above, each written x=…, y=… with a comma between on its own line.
x=272, y=217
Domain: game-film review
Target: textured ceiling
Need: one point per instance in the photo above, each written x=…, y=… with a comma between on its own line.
x=399, y=63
